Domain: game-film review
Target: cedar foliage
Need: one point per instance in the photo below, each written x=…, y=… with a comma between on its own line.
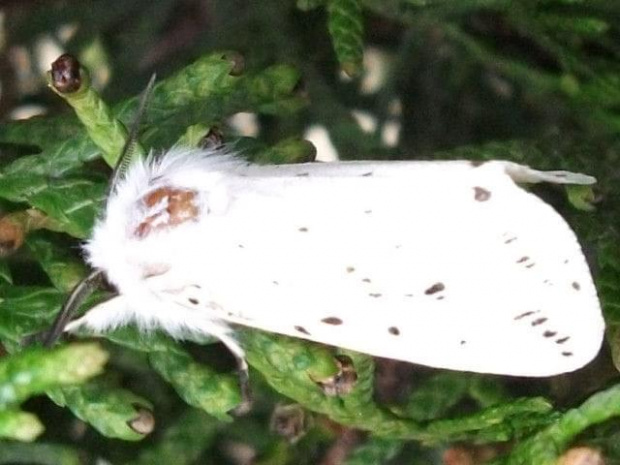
x=534, y=81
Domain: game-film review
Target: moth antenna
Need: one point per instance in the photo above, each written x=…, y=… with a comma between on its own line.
x=86, y=287
x=129, y=152
x=79, y=293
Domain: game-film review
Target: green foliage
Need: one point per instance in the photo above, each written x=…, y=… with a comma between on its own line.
x=34, y=371
x=104, y=130
x=346, y=29
x=40, y=453
x=535, y=82
x=183, y=442
x=545, y=447
x=197, y=385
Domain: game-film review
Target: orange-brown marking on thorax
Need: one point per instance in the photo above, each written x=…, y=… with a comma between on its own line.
x=167, y=207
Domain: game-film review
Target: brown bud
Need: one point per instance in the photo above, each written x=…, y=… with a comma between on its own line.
x=143, y=422
x=66, y=77
x=212, y=140
x=310, y=153
x=458, y=456
x=292, y=422
x=343, y=382
x=581, y=456
x=470, y=454
x=11, y=236
x=238, y=63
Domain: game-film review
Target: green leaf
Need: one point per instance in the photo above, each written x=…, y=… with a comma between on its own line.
x=345, y=23
x=20, y=426
x=107, y=132
x=111, y=411
x=436, y=396
x=198, y=385
x=39, y=453
x=497, y=423
x=26, y=310
x=35, y=370
x=581, y=197
x=72, y=202
x=193, y=135
x=487, y=391
x=376, y=451
x=63, y=269
x=291, y=150
x=41, y=132
x=5, y=272
x=545, y=447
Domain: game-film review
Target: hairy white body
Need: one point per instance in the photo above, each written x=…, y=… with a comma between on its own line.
x=447, y=264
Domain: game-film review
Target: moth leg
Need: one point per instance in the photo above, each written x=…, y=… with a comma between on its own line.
x=526, y=175
x=242, y=369
x=107, y=315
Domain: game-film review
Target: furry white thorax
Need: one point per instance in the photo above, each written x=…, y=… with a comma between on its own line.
x=126, y=259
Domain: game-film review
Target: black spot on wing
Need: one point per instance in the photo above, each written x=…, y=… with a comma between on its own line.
x=539, y=321
x=302, y=175
x=536, y=320
x=476, y=163
x=193, y=301
x=481, y=194
x=366, y=280
x=526, y=262
x=435, y=288
x=376, y=295
x=332, y=320
x=369, y=173
x=302, y=330
x=303, y=229
x=525, y=314
x=394, y=331
x=576, y=285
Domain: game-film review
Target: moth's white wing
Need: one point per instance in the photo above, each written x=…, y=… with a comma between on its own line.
x=441, y=264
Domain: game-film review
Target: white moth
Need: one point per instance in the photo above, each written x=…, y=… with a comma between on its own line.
x=446, y=264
